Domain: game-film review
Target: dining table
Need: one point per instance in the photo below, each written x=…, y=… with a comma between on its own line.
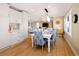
x=45, y=35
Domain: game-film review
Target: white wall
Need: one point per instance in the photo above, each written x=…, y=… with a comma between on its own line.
x=10, y=38
x=59, y=27
x=74, y=39
x=4, y=35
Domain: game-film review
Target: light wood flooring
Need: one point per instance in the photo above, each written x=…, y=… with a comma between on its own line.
x=25, y=49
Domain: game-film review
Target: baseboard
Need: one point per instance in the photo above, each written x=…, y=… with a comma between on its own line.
x=3, y=49
x=74, y=51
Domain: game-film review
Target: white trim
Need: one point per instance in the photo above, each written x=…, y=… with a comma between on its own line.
x=74, y=51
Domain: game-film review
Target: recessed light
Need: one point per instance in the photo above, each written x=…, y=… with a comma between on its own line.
x=32, y=10
x=49, y=6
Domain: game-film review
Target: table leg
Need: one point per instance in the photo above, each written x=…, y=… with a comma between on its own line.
x=32, y=41
x=48, y=44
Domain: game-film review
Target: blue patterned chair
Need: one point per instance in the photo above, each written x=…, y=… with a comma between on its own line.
x=53, y=37
x=38, y=39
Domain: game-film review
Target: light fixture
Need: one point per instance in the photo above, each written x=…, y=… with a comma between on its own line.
x=48, y=18
x=32, y=10
x=49, y=6
x=37, y=25
x=46, y=10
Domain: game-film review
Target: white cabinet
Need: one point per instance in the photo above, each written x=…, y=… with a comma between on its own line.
x=15, y=16
x=21, y=18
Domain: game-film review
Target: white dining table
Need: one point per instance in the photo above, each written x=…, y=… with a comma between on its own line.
x=48, y=37
x=45, y=35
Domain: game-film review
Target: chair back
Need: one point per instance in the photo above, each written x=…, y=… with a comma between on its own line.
x=53, y=35
x=38, y=38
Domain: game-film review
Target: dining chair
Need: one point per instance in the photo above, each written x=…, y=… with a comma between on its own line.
x=53, y=38
x=38, y=39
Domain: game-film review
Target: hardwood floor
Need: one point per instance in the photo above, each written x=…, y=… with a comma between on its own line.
x=25, y=49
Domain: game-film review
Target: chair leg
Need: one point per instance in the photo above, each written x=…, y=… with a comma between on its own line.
x=35, y=45
x=42, y=48
x=53, y=44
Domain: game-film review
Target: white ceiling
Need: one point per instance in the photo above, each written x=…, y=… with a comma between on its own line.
x=37, y=9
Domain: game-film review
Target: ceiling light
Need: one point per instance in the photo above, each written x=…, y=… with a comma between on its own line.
x=49, y=6
x=32, y=10
x=46, y=10
x=48, y=18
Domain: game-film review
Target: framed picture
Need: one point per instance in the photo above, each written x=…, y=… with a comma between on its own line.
x=14, y=26
x=57, y=22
